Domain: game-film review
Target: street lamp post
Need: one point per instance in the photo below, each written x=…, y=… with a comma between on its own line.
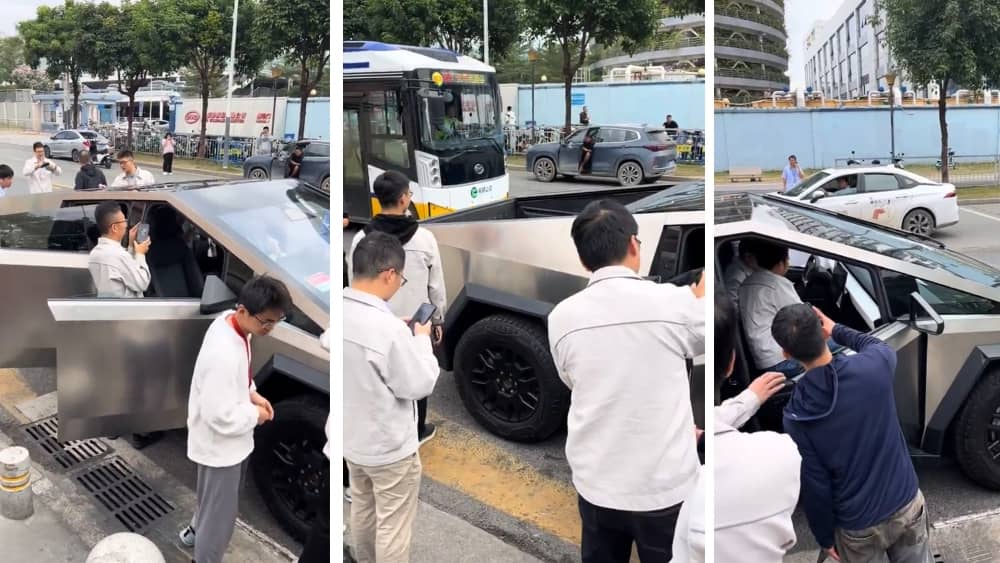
x=229, y=91
x=890, y=79
x=275, y=73
x=532, y=57
x=486, y=32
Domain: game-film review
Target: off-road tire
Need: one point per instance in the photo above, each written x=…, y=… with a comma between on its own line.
x=973, y=432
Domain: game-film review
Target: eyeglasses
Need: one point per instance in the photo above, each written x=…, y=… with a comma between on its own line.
x=398, y=273
x=269, y=323
x=125, y=161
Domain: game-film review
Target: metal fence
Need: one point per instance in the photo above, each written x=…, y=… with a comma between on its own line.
x=185, y=145
x=963, y=170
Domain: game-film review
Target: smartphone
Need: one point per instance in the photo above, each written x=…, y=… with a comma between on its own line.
x=143, y=234
x=423, y=315
x=46, y=164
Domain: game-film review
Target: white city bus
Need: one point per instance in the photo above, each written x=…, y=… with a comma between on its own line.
x=431, y=114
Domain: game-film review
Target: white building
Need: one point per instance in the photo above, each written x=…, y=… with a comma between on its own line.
x=845, y=55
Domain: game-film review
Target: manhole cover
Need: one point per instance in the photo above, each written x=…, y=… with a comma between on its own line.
x=123, y=493
x=44, y=434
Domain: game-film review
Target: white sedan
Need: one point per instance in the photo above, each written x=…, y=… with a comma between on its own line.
x=885, y=195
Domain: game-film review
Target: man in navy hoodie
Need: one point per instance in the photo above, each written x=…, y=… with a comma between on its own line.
x=859, y=488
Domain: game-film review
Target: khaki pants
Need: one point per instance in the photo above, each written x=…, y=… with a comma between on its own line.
x=383, y=507
x=903, y=538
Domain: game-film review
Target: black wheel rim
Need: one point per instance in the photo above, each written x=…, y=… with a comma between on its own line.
x=993, y=435
x=298, y=471
x=505, y=384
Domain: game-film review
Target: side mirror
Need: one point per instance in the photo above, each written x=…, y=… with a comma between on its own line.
x=818, y=195
x=216, y=297
x=923, y=317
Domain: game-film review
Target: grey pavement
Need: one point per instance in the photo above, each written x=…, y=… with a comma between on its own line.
x=42, y=538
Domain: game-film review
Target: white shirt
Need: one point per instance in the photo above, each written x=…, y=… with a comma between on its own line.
x=509, y=118
x=736, y=273
x=139, y=179
x=221, y=419
x=116, y=271
x=621, y=346
x=40, y=179
x=423, y=272
x=386, y=369
x=752, y=523
x=762, y=295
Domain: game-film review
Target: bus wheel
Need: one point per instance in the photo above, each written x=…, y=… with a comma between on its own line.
x=288, y=462
x=507, y=379
x=545, y=169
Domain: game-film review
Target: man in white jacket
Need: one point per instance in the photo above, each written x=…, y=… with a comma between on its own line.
x=117, y=272
x=423, y=273
x=224, y=407
x=386, y=369
x=132, y=177
x=39, y=171
x=752, y=522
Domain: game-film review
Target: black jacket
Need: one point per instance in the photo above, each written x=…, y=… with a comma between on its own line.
x=89, y=178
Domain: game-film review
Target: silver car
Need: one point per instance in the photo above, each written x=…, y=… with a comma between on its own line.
x=125, y=365
x=69, y=143
x=940, y=311
x=634, y=154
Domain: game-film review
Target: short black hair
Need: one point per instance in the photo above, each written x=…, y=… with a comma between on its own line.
x=508, y=107
x=266, y=128
x=377, y=253
x=747, y=247
x=6, y=172
x=791, y=156
x=103, y=214
x=769, y=254
x=37, y=145
x=799, y=332
x=264, y=293
x=726, y=335
x=602, y=232
x=122, y=155
x=84, y=157
x=389, y=187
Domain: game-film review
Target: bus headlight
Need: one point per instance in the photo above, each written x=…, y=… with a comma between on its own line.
x=428, y=170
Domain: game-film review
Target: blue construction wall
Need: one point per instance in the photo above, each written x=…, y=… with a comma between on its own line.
x=818, y=137
x=317, y=118
x=645, y=102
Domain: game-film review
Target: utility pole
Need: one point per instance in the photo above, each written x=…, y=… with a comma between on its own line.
x=229, y=91
x=486, y=32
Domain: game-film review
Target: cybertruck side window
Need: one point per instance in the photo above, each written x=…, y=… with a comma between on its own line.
x=944, y=300
x=679, y=250
x=58, y=229
x=237, y=274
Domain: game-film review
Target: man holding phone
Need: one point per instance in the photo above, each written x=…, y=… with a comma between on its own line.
x=117, y=272
x=39, y=171
x=387, y=367
x=423, y=272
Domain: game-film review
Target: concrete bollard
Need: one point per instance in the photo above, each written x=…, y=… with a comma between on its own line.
x=125, y=547
x=16, y=497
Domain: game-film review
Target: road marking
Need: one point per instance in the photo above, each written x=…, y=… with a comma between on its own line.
x=981, y=214
x=964, y=519
x=13, y=391
x=459, y=459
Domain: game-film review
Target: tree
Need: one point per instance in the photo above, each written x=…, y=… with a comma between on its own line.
x=950, y=42
x=575, y=24
x=193, y=83
x=145, y=38
x=285, y=31
x=26, y=78
x=11, y=57
x=60, y=37
x=208, y=41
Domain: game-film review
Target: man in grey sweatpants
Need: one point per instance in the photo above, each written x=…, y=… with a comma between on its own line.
x=223, y=410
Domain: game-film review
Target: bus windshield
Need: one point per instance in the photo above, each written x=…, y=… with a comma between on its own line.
x=452, y=115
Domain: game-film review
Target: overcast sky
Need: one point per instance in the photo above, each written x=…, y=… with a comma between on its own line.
x=19, y=10
x=800, y=15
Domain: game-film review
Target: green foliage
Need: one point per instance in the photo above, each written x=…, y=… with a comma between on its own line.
x=11, y=56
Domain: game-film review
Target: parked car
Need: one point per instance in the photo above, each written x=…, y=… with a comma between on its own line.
x=69, y=143
x=315, y=163
x=632, y=154
x=214, y=236
x=939, y=310
x=882, y=194
x=502, y=284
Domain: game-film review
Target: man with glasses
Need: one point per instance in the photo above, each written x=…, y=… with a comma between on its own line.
x=39, y=170
x=132, y=177
x=622, y=345
x=423, y=265
x=224, y=408
x=118, y=272
x=388, y=366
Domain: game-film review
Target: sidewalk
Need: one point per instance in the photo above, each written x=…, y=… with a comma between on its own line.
x=43, y=538
x=439, y=537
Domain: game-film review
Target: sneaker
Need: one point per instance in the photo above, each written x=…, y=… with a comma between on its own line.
x=347, y=495
x=187, y=536
x=429, y=432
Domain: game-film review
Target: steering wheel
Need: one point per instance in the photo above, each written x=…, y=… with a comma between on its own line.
x=810, y=269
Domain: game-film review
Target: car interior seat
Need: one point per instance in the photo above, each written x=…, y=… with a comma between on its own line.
x=172, y=264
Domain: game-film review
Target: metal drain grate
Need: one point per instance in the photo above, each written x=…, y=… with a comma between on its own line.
x=120, y=490
x=44, y=434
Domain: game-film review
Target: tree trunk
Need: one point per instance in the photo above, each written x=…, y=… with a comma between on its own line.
x=76, y=104
x=303, y=96
x=205, y=94
x=943, y=123
x=131, y=114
